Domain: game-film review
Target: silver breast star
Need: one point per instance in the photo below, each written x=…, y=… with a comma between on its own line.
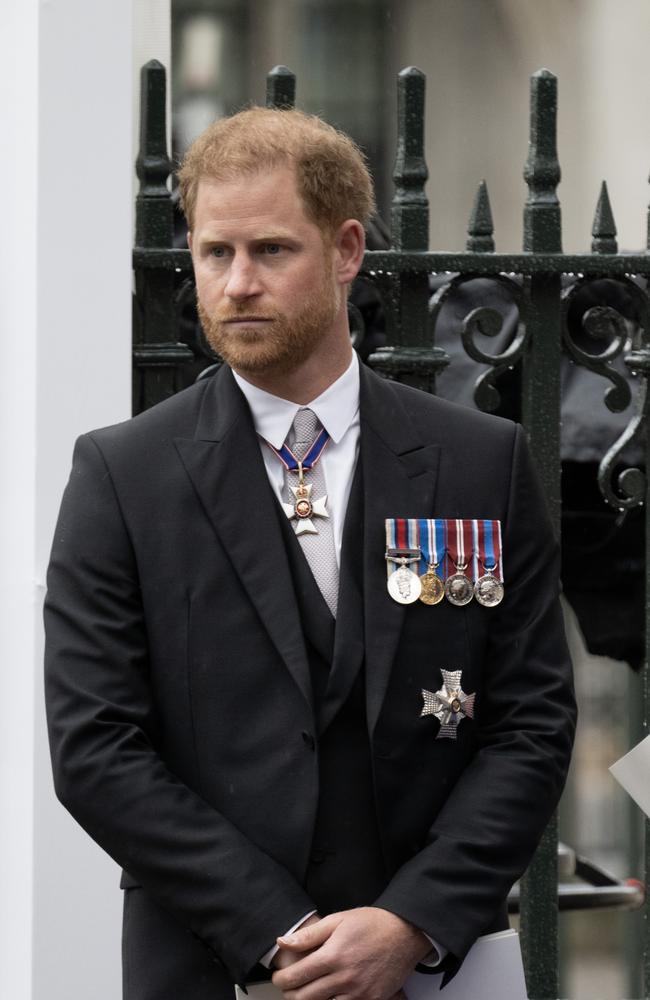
x=304, y=508
x=449, y=705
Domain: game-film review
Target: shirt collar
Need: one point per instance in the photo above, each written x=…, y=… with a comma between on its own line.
x=336, y=408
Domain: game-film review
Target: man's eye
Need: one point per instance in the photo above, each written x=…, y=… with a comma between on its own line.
x=272, y=248
x=218, y=251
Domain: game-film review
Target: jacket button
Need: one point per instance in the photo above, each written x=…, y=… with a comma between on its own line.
x=308, y=739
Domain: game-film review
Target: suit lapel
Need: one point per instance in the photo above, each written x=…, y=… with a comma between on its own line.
x=400, y=474
x=226, y=467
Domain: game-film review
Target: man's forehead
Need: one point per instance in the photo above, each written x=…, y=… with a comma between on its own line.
x=250, y=186
x=259, y=200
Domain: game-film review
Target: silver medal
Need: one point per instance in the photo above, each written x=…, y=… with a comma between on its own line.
x=488, y=591
x=450, y=704
x=459, y=590
x=404, y=585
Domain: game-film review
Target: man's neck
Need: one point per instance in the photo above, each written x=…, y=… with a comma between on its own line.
x=305, y=383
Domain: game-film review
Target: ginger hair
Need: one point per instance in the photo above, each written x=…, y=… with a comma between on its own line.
x=332, y=177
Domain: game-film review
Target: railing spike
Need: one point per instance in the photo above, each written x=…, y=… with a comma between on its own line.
x=410, y=209
x=154, y=213
x=603, y=229
x=411, y=357
x=158, y=357
x=281, y=88
x=480, y=231
x=542, y=221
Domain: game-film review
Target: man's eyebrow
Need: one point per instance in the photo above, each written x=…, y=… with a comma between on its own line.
x=264, y=236
x=275, y=235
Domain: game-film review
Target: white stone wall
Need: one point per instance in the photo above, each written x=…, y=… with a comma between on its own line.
x=18, y=632
x=66, y=72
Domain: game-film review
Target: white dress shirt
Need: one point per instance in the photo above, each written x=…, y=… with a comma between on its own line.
x=338, y=411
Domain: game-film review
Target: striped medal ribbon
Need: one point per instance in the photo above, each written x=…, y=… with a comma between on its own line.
x=459, y=589
x=432, y=545
x=402, y=551
x=488, y=588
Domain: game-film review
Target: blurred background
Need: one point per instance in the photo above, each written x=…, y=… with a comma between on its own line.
x=478, y=56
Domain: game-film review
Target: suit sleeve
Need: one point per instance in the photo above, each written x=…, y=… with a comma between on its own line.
x=485, y=835
x=102, y=726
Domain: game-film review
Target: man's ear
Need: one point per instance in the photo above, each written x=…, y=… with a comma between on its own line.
x=189, y=240
x=349, y=247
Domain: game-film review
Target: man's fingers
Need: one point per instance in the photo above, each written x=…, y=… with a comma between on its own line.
x=312, y=936
x=324, y=988
x=283, y=958
x=300, y=973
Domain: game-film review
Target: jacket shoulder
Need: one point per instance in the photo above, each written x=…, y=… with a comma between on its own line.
x=441, y=419
x=173, y=417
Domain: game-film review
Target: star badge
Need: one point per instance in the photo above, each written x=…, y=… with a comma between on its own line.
x=304, y=508
x=449, y=705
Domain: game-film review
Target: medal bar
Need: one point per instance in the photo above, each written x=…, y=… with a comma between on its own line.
x=459, y=559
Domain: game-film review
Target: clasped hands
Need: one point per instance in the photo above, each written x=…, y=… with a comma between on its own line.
x=361, y=954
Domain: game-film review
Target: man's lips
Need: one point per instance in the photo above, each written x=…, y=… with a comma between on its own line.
x=247, y=319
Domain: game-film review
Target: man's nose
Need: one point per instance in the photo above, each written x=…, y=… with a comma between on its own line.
x=243, y=279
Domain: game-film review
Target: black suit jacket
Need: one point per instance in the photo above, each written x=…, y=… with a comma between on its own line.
x=183, y=727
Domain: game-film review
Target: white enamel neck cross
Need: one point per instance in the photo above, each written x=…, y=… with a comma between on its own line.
x=304, y=509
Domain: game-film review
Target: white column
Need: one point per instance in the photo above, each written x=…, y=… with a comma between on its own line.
x=81, y=380
x=65, y=317
x=18, y=247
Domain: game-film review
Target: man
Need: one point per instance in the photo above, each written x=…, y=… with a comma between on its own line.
x=235, y=700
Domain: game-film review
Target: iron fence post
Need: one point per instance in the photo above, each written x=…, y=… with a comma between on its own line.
x=411, y=357
x=280, y=88
x=541, y=417
x=156, y=351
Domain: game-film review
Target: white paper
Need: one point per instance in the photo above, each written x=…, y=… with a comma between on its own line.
x=633, y=772
x=493, y=970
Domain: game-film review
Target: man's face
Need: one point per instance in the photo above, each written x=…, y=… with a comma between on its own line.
x=265, y=280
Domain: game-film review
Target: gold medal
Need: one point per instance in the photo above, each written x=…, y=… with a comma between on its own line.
x=433, y=589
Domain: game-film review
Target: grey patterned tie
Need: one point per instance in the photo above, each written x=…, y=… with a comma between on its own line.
x=319, y=549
